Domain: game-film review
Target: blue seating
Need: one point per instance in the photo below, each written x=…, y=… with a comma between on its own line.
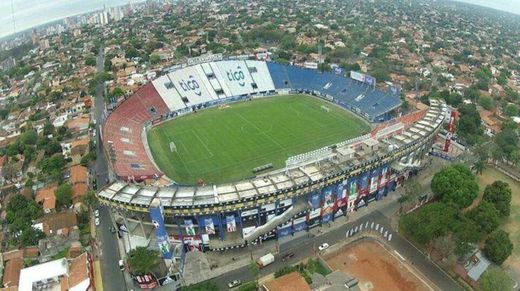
x=370, y=102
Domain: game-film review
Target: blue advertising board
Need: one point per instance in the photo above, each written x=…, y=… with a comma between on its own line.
x=314, y=199
x=163, y=240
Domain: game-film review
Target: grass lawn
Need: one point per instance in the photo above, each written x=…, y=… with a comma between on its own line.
x=225, y=144
x=512, y=224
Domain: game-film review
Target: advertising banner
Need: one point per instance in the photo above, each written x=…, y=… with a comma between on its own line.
x=268, y=207
x=341, y=194
x=327, y=217
x=374, y=181
x=231, y=224
x=369, y=80
x=163, y=240
x=363, y=184
x=249, y=212
x=353, y=190
x=209, y=225
x=328, y=200
x=314, y=200
x=384, y=177
x=357, y=76
x=281, y=232
x=188, y=225
x=314, y=213
x=285, y=203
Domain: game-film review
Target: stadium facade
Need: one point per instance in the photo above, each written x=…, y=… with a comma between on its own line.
x=313, y=188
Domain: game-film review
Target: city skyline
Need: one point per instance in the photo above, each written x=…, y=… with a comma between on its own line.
x=33, y=13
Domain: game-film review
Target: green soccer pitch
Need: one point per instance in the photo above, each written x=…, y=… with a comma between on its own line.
x=225, y=144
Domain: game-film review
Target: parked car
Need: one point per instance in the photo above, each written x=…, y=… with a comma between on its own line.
x=234, y=283
x=287, y=256
x=97, y=221
x=323, y=246
x=96, y=213
x=121, y=265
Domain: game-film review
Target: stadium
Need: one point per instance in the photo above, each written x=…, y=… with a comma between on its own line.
x=218, y=154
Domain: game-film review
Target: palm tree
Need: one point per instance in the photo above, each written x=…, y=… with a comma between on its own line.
x=479, y=166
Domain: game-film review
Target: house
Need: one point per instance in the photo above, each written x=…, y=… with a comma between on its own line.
x=79, y=147
x=473, y=268
x=13, y=265
x=79, y=181
x=61, y=223
x=79, y=124
x=46, y=198
x=62, y=274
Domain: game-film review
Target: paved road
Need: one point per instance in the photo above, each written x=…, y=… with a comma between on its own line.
x=113, y=278
x=305, y=246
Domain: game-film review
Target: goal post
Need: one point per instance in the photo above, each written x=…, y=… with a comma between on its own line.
x=325, y=108
x=173, y=147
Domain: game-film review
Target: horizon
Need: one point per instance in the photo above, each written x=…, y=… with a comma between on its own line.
x=34, y=13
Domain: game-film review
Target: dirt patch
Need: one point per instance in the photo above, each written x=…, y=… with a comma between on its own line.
x=375, y=268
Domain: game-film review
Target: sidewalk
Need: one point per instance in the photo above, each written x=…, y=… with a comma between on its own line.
x=97, y=276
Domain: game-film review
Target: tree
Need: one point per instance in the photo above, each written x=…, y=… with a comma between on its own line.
x=29, y=137
x=90, y=61
x=155, y=59
x=480, y=166
x=9, y=171
x=511, y=110
x=21, y=212
x=498, y=246
x=455, y=184
x=445, y=245
x=30, y=236
x=412, y=190
x=507, y=142
x=466, y=233
x=486, y=102
x=428, y=222
x=495, y=279
x=142, y=260
x=90, y=199
x=499, y=194
x=118, y=92
x=486, y=216
x=469, y=125
x=63, y=196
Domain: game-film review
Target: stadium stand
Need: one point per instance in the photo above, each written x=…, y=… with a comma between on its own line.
x=122, y=134
x=207, y=84
x=369, y=102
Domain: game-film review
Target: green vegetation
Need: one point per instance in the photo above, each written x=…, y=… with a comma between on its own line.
x=495, y=279
x=249, y=286
x=223, y=144
x=498, y=246
x=63, y=196
x=203, y=286
x=142, y=260
x=469, y=126
x=499, y=193
x=455, y=185
x=21, y=213
x=454, y=225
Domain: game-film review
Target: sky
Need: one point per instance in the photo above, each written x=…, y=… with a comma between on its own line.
x=30, y=13
x=512, y=6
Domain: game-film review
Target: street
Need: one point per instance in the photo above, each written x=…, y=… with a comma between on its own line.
x=113, y=278
x=304, y=247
